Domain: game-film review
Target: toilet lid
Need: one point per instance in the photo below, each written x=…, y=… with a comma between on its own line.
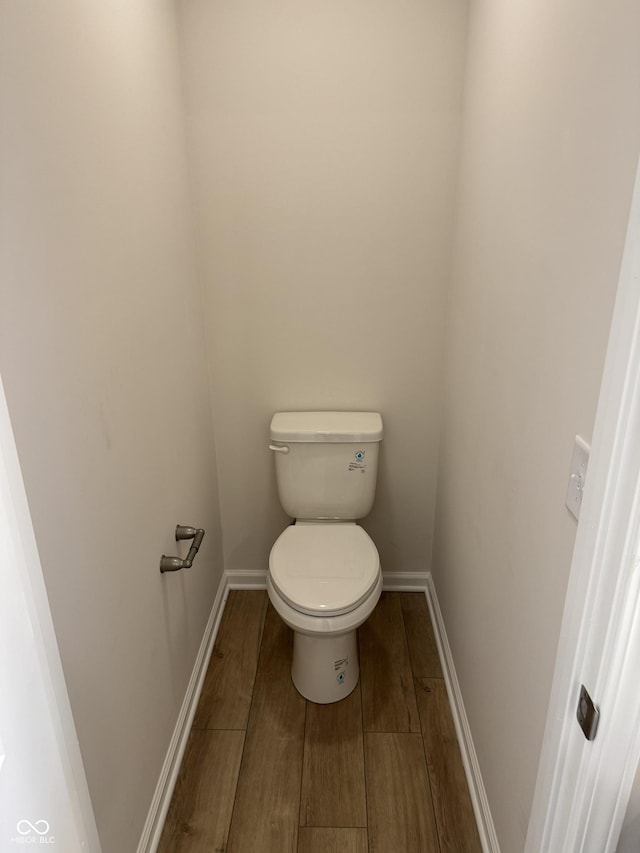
x=324, y=569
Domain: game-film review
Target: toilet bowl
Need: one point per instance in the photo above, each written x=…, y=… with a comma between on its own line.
x=324, y=581
x=324, y=575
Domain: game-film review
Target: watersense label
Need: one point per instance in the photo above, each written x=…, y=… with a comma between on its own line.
x=358, y=463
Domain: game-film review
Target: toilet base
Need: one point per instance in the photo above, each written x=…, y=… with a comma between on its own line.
x=325, y=668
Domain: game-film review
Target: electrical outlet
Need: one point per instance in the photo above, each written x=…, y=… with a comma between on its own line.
x=577, y=476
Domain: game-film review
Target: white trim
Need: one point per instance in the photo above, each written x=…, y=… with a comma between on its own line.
x=404, y=581
x=156, y=817
x=583, y=788
x=246, y=579
x=479, y=800
x=391, y=581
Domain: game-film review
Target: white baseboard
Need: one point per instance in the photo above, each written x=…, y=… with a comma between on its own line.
x=246, y=579
x=392, y=581
x=398, y=582
x=404, y=581
x=154, y=824
x=486, y=829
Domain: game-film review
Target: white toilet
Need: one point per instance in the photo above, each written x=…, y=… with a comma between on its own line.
x=324, y=570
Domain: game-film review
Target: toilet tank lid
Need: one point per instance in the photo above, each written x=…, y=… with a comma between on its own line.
x=326, y=426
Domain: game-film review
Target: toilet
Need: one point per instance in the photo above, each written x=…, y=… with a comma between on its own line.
x=324, y=576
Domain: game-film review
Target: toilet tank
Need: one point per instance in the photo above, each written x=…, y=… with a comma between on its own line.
x=326, y=462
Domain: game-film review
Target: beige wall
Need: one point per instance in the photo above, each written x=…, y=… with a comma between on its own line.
x=103, y=359
x=550, y=146
x=323, y=138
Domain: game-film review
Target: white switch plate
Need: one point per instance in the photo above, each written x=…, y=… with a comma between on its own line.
x=577, y=476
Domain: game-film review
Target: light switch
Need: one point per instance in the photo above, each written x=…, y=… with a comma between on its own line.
x=577, y=476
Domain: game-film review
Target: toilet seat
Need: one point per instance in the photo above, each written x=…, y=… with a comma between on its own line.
x=324, y=569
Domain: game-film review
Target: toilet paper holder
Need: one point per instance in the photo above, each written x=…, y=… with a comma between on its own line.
x=174, y=564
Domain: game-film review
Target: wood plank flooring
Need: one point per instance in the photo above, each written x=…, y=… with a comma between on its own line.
x=267, y=772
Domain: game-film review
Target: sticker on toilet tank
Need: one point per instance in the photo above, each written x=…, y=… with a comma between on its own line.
x=358, y=464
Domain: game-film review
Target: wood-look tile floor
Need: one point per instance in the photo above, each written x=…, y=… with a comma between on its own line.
x=267, y=772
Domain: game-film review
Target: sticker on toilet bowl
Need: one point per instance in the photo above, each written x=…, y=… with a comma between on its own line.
x=339, y=668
